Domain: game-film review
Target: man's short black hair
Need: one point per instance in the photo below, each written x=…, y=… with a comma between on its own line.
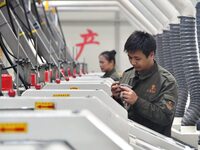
x=139, y=40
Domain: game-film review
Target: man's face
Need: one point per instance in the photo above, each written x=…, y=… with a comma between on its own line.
x=139, y=61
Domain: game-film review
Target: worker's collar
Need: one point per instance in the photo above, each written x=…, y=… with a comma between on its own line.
x=145, y=74
x=109, y=73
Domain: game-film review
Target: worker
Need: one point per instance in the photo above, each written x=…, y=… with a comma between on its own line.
x=152, y=96
x=107, y=65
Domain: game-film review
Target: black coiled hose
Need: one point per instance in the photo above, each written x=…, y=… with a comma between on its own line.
x=166, y=51
x=191, y=68
x=177, y=63
x=159, y=50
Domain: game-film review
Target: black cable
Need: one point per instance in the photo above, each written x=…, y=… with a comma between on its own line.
x=26, y=16
x=61, y=30
x=6, y=68
x=47, y=21
x=23, y=24
x=10, y=61
x=28, y=23
x=10, y=17
x=11, y=20
x=27, y=29
x=10, y=53
x=36, y=12
x=5, y=48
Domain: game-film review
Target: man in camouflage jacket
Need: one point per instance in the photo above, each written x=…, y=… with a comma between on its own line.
x=152, y=94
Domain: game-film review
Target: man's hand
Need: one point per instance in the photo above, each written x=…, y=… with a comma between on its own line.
x=128, y=95
x=115, y=90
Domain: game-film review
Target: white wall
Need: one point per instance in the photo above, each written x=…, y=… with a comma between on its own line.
x=125, y=32
x=111, y=35
x=91, y=51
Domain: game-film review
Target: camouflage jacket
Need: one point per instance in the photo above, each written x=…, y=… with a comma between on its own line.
x=157, y=97
x=112, y=74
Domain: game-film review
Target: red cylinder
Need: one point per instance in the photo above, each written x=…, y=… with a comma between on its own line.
x=58, y=81
x=33, y=79
x=56, y=74
x=6, y=82
x=11, y=93
x=67, y=78
x=46, y=76
x=69, y=72
x=74, y=73
x=38, y=86
x=63, y=71
x=50, y=73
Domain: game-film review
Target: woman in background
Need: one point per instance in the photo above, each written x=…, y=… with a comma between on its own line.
x=107, y=65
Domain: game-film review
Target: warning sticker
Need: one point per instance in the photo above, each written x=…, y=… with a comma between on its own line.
x=61, y=95
x=74, y=88
x=2, y=3
x=13, y=127
x=44, y=105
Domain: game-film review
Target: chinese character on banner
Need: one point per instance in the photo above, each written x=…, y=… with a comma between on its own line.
x=88, y=38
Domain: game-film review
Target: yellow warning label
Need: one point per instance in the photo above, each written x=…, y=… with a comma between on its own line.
x=61, y=95
x=13, y=127
x=43, y=23
x=44, y=105
x=21, y=33
x=74, y=88
x=46, y=5
x=53, y=10
x=2, y=3
x=34, y=31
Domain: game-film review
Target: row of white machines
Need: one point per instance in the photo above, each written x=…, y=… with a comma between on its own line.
x=81, y=114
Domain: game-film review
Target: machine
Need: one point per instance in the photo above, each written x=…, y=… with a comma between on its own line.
x=93, y=104
x=60, y=126
x=102, y=95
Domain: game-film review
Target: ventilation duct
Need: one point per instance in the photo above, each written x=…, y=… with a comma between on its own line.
x=198, y=23
x=166, y=51
x=191, y=68
x=159, y=52
x=178, y=69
